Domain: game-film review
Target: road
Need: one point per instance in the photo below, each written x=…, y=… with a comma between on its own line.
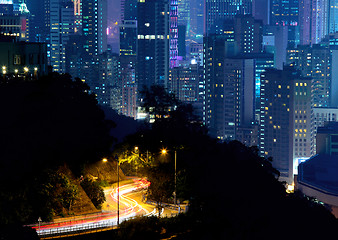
x=130, y=205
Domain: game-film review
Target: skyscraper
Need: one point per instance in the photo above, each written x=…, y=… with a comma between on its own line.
x=216, y=12
x=314, y=20
x=128, y=27
x=229, y=81
x=248, y=33
x=94, y=26
x=314, y=62
x=196, y=20
x=286, y=13
x=61, y=27
x=286, y=119
x=152, y=43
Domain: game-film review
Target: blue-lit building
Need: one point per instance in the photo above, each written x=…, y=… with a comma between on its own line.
x=286, y=13
x=315, y=62
x=128, y=27
x=216, y=12
x=286, y=129
x=62, y=26
x=152, y=43
x=229, y=94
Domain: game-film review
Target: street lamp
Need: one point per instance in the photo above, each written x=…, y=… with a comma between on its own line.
x=118, y=190
x=4, y=70
x=164, y=152
x=118, y=187
x=175, y=180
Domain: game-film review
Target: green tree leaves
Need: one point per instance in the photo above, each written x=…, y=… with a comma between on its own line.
x=94, y=192
x=58, y=192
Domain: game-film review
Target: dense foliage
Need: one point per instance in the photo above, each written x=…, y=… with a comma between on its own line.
x=233, y=192
x=94, y=192
x=45, y=124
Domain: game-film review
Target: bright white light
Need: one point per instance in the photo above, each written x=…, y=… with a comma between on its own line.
x=6, y=2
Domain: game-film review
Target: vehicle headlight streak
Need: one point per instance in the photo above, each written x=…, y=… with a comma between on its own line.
x=129, y=208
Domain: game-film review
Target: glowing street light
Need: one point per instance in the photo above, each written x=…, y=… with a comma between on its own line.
x=164, y=152
x=25, y=69
x=105, y=160
x=118, y=190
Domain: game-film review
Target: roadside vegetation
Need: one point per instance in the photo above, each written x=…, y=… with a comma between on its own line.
x=233, y=193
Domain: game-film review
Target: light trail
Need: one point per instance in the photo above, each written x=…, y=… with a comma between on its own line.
x=129, y=208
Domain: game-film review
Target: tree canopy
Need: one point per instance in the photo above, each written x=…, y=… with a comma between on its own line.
x=45, y=124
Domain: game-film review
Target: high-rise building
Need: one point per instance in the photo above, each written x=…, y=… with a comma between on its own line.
x=173, y=34
x=333, y=16
x=128, y=86
x=286, y=13
x=94, y=26
x=152, y=43
x=184, y=82
x=105, y=77
x=261, y=10
x=248, y=33
x=39, y=26
x=315, y=20
x=128, y=37
x=275, y=41
x=61, y=27
x=196, y=28
x=315, y=62
x=216, y=12
x=332, y=41
x=77, y=16
x=128, y=27
x=286, y=132
x=229, y=88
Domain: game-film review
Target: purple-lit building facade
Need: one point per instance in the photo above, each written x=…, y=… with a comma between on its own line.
x=173, y=34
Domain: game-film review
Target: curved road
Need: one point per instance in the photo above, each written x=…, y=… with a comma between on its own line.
x=130, y=205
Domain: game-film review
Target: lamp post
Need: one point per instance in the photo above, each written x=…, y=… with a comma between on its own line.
x=118, y=187
x=175, y=180
x=164, y=151
x=118, y=190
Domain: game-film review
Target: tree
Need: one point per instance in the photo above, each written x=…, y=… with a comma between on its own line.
x=161, y=184
x=56, y=193
x=45, y=124
x=94, y=192
x=49, y=122
x=158, y=102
